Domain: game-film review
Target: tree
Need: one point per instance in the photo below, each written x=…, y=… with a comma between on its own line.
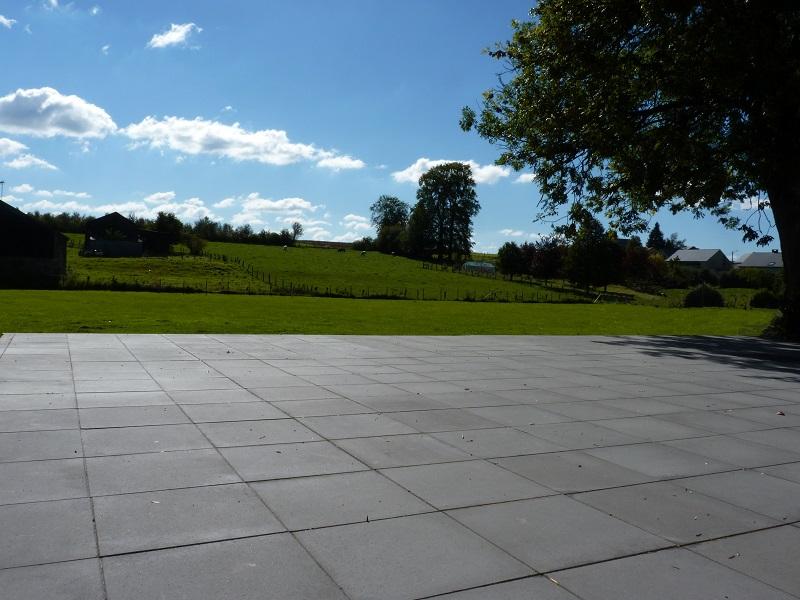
x=631, y=106
x=656, y=241
x=170, y=224
x=389, y=210
x=297, y=231
x=548, y=258
x=673, y=244
x=510, y=259
x=420, y=242
x=447, y=195
x=591, y=256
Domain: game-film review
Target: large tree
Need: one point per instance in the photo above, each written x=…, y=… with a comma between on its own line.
x=627, y=106
x=389, y=210
x=447, y=198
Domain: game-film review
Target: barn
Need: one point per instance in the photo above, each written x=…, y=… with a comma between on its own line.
x=32, y=254
x=115, y=236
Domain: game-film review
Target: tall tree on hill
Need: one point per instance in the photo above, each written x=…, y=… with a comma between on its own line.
x=390, y=218
x=656, y=241
x=629, y=106
x=448, y=199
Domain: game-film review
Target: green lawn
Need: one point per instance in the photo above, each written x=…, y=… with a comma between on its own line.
x=138, y=312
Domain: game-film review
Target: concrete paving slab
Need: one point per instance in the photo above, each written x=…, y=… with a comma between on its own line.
x=163, y=471
x=354, y=426
x=787, y=439
x=539, y=588
x=321, y=408
x=38, y=420
x=74, y=580
x=401, y=450
x=122, y=399
x=790, y=471
x=273, y=567
x=232, y=411
x=579, y=435
x=430, y=421
x=408, y=557
x=322, y=501
x=135, y=440
x=556, y=532
x=212, y=396
x=257, y=463
x=42, y=480
x=735, y=451
x=256, y=433
x=131, y=416
x=460, y=484
x=769, y=556
x=674, y=512
x=666, y=575
x=44, y=532
x=659, y=460
x=152, y=520
x=572, y=471
x=40, y=445
x=494, y=443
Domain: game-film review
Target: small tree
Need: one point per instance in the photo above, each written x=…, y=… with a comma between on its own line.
x=656, y=241
x=511, y=260
x=591, y=257
x=548, y=258
x=297, y=231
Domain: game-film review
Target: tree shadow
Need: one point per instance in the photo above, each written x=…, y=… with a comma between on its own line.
x=775, y=359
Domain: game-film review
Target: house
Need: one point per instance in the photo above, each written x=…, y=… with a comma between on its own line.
x=32, y=254
x=711, y=259
x=762, y=260
x=115, y=236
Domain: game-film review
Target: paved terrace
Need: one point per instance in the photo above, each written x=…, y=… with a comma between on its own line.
x=220, y=467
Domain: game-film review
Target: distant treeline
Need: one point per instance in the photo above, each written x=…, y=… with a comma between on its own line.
x=204, y=228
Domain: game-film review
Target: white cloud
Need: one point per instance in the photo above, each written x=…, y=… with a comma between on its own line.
x=45, y=112
x=95, y=10
x=316, y=233
x=187, y=210
x=28, y=30
x=355, y=223
x=226, y=203
x=10, y=147
x=256, y=210
x=480, y=173
x=201, y=136
x=512, y=232
x=105, y=49
x=159, y=198
x=526, y=178
x=228, y=108
x=337, y=163
x=26, y=161
x=26, y=188
x=176, y=35
x=350, y=236
x=6, y=22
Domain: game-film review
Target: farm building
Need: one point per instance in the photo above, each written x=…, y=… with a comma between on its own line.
x=712, y=259
x=115, y=236
x=473, y=266
x=31, y=253
x=762, y=260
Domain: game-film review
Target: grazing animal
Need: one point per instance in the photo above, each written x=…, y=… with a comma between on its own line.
x=285, y=248
x=363, y=253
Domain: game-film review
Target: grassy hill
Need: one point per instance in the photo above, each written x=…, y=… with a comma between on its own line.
x=248, y=268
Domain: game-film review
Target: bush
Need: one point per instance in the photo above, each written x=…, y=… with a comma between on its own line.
x=364, y=244
x=765, y=299
x=703, y=295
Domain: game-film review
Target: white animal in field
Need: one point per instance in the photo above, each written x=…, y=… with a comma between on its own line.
x=285, y=248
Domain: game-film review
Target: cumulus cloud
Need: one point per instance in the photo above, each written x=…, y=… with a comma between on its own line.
x=159, y=198
x=10, y=147
x=105, y=49
x=316, y=233
x=480, y=173
x=27, y=161
x=6, y=22
x=350, y=236
x=188, y=210
x=355, y=223
x=45, y=112
x=526, y=178
x=512, y=232
x=226, y=203
x=255, y=210
x=95, y=10
x=337, y=163
x=201, y=136
x=26, y=188
x=176, y=35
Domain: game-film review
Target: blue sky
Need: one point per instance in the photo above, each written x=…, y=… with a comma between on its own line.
x=259, y=112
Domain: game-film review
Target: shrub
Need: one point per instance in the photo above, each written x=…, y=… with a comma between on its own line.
x=765, y=299
x=703, y=295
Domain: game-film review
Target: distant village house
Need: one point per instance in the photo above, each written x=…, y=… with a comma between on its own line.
x=772, y=261
x=712, y=259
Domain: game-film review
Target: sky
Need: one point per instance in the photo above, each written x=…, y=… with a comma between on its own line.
x=261, y=112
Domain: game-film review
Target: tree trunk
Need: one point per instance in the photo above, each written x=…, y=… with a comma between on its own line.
x=785, y=202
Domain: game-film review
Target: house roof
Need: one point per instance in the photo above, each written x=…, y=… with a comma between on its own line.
x=13, y=217
x=768, y=260
x=696, y=255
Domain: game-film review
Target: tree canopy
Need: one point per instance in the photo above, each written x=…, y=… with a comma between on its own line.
x=624, y=107
x=442, y=218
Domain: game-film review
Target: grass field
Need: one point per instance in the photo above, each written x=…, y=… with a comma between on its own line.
x=135, y=312
x=260, y=269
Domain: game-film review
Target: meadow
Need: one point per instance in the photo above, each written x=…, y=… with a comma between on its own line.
x=137, y=312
